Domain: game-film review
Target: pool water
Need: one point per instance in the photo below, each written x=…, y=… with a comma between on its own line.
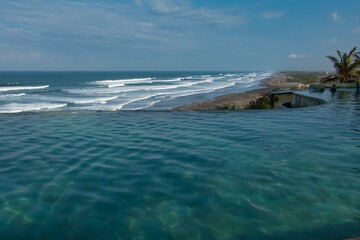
x=283, y=174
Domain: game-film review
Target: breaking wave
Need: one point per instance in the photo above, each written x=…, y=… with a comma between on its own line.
x=29, y=107
x=20, y=88
x=119, y=94
x=12, y=95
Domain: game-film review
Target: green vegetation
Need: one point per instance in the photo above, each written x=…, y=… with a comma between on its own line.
x=225, y=107
x=347, y=65
x=303, y=77
x=262, y=102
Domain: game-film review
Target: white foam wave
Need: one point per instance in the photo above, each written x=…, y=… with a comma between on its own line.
x=74, y=100
x=123, y=82
x=118, y=106
x=249, y=80
x=165, y=87
x=229, y=75
x=114, y=85
x=138, y=101
x=103, y=100
x=174, y=95
x=12, y=95
x=252, y=75
x=133, y=80
x=121, y=106
x=124, y=89
x=29, y=107
x=173, y=80
x=145, y=105
x=150, y=104
x=18, y=88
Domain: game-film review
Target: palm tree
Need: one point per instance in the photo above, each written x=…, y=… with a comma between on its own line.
x=346, y=65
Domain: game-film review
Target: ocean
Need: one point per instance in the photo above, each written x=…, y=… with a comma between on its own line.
x=108, y=174
x=113, y=91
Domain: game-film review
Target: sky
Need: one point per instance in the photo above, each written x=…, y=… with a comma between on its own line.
x=175, y=35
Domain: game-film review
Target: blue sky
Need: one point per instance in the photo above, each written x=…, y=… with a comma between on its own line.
x=175, y=34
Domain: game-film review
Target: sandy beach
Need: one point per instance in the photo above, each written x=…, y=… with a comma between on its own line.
x=238, y=101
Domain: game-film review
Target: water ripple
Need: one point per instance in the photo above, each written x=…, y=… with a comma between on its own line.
x=162, y=175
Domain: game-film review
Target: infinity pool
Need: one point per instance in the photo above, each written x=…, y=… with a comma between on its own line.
x=284, y=174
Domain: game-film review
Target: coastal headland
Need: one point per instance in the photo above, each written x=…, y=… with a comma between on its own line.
x=238, y=101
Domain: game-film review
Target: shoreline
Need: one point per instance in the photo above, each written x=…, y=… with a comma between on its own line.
x=238, y=101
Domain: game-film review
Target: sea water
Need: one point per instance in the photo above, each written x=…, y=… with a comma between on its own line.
x=283, y=174
x=113, y=91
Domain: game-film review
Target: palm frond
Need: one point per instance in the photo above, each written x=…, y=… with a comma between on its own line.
x=352, y=52
x=346, y=64
x=333, y=59
x=352, y=67
x=357, y=55
x=339, y=53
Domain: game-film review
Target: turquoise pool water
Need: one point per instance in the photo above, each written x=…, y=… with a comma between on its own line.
x=285, y=174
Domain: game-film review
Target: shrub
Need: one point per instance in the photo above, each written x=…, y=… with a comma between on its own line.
x=262, y=102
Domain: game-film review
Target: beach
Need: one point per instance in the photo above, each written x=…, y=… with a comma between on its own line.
x=238, y=101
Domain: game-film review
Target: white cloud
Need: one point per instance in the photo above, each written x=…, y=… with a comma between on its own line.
x=331, y=42
x=335, y=17
x=71, y=22
x=269, y=15
x=184, y=12
x=214, y=17
x=77, y=24
x=299, y=56
x=296, y=56
x=165, y=6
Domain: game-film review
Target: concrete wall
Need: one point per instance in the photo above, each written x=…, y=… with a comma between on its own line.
x=282, y=99
x=299, y=100
x=290, y=99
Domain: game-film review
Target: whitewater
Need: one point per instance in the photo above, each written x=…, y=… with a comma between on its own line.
x=66, y=91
